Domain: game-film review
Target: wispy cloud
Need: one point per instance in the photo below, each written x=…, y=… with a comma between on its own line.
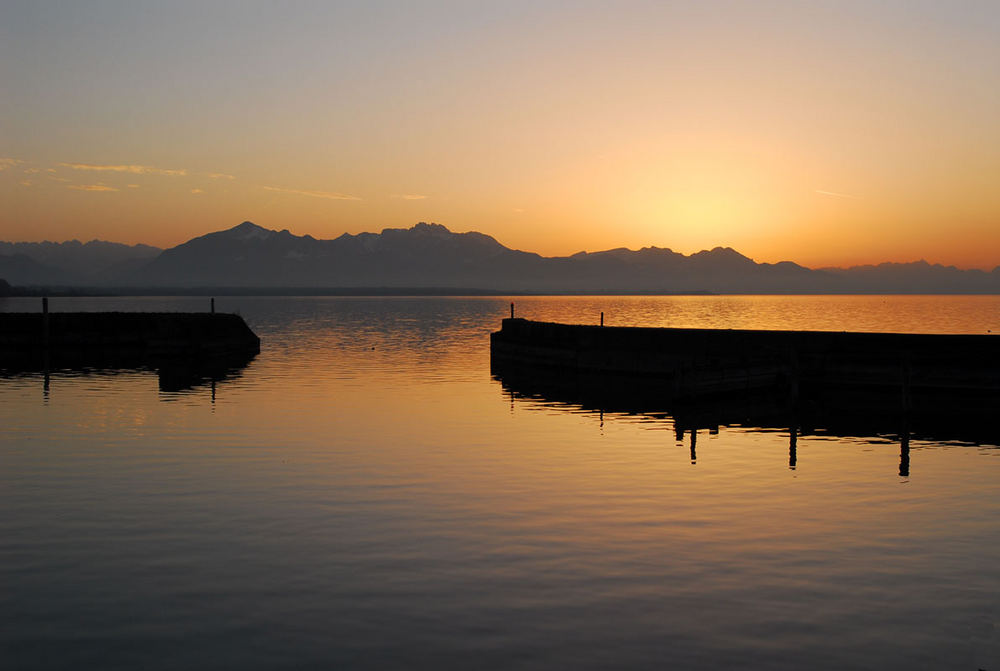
x=132, y=186
x=196, y=191
x=26, y=182
x=9, y=163
x=330, y=195
x=836, y=194
x=91, y=187
x=31, y=171
x=219, y=175
x=131, y=169
x=408, y=196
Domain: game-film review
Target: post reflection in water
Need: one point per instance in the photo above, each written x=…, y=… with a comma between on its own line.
x=793, y=439
x=865, y=415
x=173, y=376
x=904, y=454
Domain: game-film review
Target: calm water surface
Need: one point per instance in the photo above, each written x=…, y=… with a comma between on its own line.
x=364, y=495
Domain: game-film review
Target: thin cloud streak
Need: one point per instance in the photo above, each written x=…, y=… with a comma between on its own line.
x=219, y=175
x=131, y=169
x=408, y=196
x=836, y=194
x=330, y=195
x=9, y=163
x=91, y=187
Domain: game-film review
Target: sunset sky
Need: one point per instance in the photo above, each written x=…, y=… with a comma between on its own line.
x=831, y=133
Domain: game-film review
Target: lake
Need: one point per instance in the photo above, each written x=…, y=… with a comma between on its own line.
x=364, y=494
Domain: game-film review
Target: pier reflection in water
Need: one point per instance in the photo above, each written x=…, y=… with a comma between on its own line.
x=874, y=416
x=174, y=374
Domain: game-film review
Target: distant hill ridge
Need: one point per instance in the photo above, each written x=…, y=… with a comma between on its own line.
x=71, y=262
x=430, y=255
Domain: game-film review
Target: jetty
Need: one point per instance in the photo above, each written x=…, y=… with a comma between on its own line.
x=69, y=339
x=690, y=363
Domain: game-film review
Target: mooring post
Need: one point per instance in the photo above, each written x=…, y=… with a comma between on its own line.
x=511, y=310
x=602, y=318
x=45, y=321
x=213, y=305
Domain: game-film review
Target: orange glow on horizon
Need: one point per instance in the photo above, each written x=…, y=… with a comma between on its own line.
x=823, y=135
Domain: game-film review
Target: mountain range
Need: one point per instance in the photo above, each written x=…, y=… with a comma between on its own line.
x=427, y=256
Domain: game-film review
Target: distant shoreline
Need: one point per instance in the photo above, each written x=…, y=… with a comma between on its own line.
x=96, y=292
x=109, y=292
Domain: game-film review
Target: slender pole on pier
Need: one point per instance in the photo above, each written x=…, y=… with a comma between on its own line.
x=511, y=310
x=602, y=318
x=213, y=305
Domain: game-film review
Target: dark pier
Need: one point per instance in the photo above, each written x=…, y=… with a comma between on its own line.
x=30, y=341
x=690, y=363
x=889, y=387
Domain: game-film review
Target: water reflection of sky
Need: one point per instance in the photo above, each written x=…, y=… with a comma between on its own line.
x=365, y=494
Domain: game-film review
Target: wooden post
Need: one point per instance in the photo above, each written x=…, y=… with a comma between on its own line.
x=213, y=305
x=602, y=318
x=511, y=310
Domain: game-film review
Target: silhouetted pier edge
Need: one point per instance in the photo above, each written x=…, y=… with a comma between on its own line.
x=689, y=363
x=106, y=338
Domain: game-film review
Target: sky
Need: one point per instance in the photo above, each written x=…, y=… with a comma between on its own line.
x=826, y=133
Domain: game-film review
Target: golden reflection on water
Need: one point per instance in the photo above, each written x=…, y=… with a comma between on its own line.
x=366, y=475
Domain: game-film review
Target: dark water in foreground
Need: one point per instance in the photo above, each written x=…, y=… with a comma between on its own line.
x=364, y=495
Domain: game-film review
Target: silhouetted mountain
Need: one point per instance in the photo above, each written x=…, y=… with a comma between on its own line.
x=73, y=262
x=917, y=277
x=248, y=255
x=20, y=270
x=429, y=255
